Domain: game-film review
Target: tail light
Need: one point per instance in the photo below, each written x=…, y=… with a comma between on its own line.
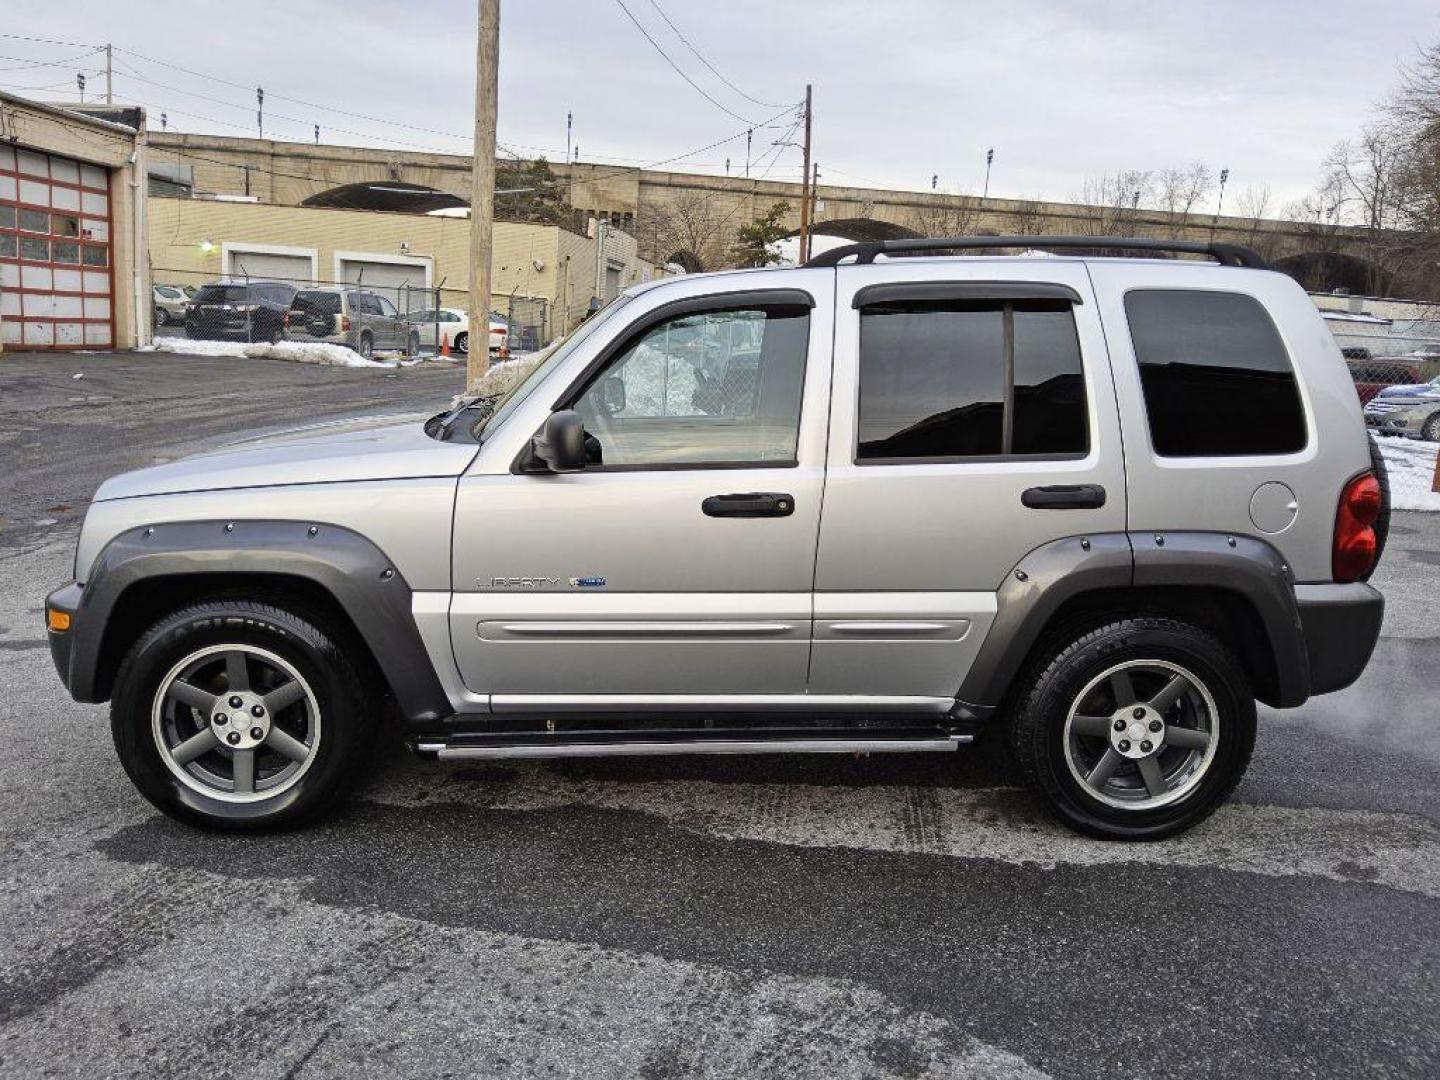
x=285, y=320
x=344, y=324
x=1356, y=546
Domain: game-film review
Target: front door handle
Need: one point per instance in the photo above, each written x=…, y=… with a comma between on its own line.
x=749, y=504
x=1064, y=497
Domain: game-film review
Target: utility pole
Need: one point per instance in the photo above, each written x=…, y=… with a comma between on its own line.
x=260, y=110
x=482, y=184
x=749, y=133
x=814, y=198
x=569, y=125
x=1219, y=203
x=805, y=185
x=989, y=159
x=109, y=95
x=80, y=82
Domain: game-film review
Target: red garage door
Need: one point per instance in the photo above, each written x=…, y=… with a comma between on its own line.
x=56, y=285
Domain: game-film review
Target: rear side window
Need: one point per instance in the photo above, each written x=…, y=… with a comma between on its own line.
x=1216, y=377
x=970, y=379
x=324, y=303
x=221, y=294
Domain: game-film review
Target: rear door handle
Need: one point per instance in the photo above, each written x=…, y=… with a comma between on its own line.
x=1064, y=497
x=749, y=504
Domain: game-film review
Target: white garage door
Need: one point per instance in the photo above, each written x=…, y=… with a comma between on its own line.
x=265, y=266
x=402, y=284
x=56, y=286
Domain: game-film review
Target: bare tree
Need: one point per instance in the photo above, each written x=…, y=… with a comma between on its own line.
x=689, y=230
x=955, y=216
x=1028, y=218
x=1362, y=174
x=1110, y=203
x=1255, y=205
x=1181, y=190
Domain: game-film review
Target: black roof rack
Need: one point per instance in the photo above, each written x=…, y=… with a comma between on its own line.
x=1224, y=254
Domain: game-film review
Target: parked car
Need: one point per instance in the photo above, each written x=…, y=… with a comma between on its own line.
x=454, y=324
x=227, y=311
x=170, y=304
x=1412, y=410
x=364, y=321
x=1372, y=376
x=856, y=506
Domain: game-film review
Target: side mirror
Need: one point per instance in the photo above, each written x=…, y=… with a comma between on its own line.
x=612, y=394
x=560, y=446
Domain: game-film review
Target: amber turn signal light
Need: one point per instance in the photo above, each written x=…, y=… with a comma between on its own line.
x=58, y=621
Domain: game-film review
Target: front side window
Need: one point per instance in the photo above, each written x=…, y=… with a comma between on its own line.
x=387, y=308
x=955, y=379
x=707, y=388
x=1215, y=373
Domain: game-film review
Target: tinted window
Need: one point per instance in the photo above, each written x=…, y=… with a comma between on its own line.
x=323, y=303
x=387, y=308
x=220, y=294
x=1216, y=376
x=935, y=380
x=715, y=387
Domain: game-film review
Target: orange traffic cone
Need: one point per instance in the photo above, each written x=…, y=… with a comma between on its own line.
x=445, y=345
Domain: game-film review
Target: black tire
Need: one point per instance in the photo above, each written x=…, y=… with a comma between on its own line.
x=1038, y=727
x=341, y=746
x=366, y=346
x=412, y=346
x=1430, y=430
x=162, y=317
x=1382, y=522
x=462, y=343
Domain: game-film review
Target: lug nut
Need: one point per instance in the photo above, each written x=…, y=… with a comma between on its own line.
x=233, y=738
x=221, y=718
x=1119, y=725
x=1124, y=745
x=235, y=701
x=1146, y=745
x=257, y=733
x=259, y=710
x=1139, y=714
x=1155, y=725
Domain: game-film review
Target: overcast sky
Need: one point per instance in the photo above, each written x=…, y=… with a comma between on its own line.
x=903, y=88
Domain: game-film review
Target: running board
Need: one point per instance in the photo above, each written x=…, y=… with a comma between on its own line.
x=472, y=751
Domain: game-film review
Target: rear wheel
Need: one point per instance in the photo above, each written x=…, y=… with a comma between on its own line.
x=412, y=346
x=462, y=342
x=1137, y=730
x=366, y=346
x=1430, y=430
x=162, y=317
x=239, y=715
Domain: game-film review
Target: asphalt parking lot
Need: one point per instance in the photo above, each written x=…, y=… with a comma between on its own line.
x=884, y=916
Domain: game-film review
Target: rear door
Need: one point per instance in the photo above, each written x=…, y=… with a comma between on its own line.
x=396, y=329
x=973, y=420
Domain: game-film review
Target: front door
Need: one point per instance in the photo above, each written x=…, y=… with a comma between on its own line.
x=973, y=421
x=678, y=564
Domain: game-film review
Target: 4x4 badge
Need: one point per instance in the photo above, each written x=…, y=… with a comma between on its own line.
x=587, y=582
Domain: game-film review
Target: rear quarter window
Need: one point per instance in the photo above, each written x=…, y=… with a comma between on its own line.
x=1217, y=379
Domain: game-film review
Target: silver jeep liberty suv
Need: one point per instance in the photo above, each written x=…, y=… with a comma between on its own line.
x=1099, y=503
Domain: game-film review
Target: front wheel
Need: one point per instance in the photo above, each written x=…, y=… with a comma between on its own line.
x=462, y=343
x=1430, y=432
x=1136, y=730
x=239, y=715
x=162, y=317
x=412, y=346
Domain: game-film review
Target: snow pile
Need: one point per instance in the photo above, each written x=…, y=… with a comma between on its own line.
x=299, y=352
x=1411, y=465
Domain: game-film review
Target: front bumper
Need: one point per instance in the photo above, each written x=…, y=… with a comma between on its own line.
x=1341, y=624
x=64, y=601
x=1399, y=418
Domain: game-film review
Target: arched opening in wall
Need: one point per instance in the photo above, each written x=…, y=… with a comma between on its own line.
x=392, y=196
x=687, y=261
x=855, y=230
x=1329, y=271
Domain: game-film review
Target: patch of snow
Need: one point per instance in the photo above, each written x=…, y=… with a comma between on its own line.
x=1411, y=465
x=300, y=352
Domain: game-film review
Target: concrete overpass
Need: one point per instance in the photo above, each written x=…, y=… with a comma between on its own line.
x=691, y=219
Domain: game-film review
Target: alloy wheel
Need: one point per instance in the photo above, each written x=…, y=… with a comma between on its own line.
x=1141, y=734
x=236, y=723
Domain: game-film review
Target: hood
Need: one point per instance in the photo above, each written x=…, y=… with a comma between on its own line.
x=1410, y=391
x=374, y=448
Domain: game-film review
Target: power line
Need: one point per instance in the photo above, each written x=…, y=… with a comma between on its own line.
x=46, y=63
x=670, y=23
x=678, y=70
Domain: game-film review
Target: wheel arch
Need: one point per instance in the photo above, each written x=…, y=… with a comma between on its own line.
x=1237, y=587
x=323, y=570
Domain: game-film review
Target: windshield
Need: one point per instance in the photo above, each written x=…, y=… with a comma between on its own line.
x=546, y=361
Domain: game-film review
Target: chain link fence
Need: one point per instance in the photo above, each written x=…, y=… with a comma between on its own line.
x=189, y=303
